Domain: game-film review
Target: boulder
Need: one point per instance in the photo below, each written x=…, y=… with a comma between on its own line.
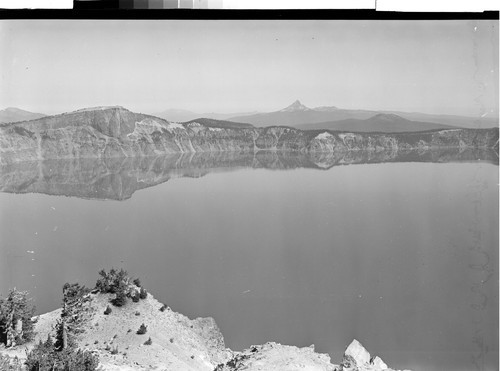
x=357, y=358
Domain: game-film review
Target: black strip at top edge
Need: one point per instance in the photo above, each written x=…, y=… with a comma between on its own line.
x=228, y=14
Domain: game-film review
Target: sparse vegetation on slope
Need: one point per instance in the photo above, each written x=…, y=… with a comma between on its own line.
x=87, y=339
x=121, y=285
x=46, y=357
x=64, y=354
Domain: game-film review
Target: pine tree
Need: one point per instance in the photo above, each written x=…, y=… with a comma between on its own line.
x=121, y=294
x=16, y=323
x=73, y=316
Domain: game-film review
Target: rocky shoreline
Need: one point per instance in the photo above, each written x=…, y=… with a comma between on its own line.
x=179, y=343
x=115, y=132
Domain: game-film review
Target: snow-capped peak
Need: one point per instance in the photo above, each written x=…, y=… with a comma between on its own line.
x=295, y=106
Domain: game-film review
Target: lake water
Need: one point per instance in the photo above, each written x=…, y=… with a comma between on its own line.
x=402, y=256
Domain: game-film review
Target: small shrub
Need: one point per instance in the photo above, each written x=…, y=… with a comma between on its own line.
x=142, y=330
x=172, y=340
x=114, y=350
x=120, y=299
x=108, y=310
x=129, y=330
x=143, y=293
x=192, y=357
x=163, y=308
x=137, y=313
x=148, y=342
x=96, y=342
x=108, y=347
x=137, y=282
x=135, y=298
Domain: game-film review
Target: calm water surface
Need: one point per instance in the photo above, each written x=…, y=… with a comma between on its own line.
x=401, y=256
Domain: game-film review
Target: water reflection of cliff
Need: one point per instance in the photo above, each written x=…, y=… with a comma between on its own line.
x=119, y=178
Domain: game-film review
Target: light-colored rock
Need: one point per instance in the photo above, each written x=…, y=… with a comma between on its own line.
x=357, y=358
x=179, y=343
x=379, y=364
x=108, y=132
x=276, y=357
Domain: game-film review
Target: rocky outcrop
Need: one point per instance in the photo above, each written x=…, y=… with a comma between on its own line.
x=207, y=329
x=108, y=132
x=277, y=357
x=180, y=343
x=357, y=358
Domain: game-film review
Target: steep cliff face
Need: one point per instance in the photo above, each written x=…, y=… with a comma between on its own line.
x=116, y=132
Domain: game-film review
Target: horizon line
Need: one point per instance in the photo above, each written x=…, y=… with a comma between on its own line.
x=253, y=112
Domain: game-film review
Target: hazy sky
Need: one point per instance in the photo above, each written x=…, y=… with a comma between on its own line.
x=234, y=66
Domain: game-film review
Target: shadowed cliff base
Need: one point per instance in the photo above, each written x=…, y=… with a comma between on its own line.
x=118, y=178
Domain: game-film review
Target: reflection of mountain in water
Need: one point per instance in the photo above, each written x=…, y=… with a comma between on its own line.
x=119, y=178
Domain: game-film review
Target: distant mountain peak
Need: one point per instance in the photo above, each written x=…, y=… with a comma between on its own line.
x=12, y=109
x=14, y=114
x=15, y=110
x=295, y=106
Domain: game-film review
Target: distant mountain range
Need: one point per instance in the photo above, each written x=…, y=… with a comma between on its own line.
x=180, y=115
x=300, y=116
x=13, y=114
x=382, y=122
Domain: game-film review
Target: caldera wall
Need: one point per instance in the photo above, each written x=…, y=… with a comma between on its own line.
x=117, y=132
